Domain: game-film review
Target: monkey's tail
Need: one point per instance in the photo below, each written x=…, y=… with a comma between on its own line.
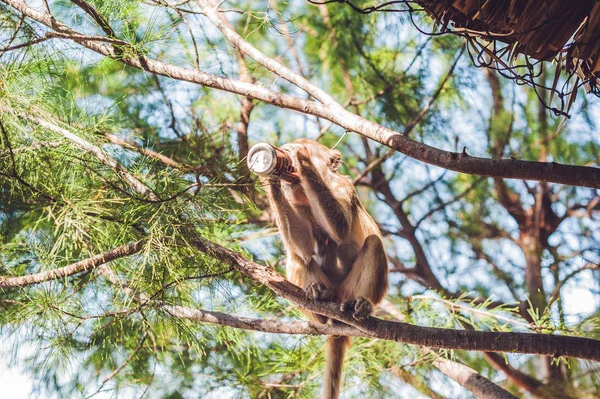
x=335, y=349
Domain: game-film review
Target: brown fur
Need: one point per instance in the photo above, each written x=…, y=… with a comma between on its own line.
x=334, y=249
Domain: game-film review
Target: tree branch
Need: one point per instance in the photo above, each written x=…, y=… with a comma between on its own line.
x=464, y=375
x=542, y=344
x=585, y=176
x=77, y=267
x=209, y=8
x=449, y=202
x=106, y=159
x=472, y=380
x=555, y=293
x=515, y=375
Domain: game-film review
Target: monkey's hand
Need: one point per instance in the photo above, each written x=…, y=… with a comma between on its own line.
x=361, y=308
x=300, y=159
x=318, y=292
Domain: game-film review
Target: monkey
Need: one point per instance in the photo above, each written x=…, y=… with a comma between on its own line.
x=333, y=246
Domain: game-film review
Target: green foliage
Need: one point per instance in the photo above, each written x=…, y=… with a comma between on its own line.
x=60, y=203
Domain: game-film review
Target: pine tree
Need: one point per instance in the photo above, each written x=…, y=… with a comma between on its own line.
x=136, y=247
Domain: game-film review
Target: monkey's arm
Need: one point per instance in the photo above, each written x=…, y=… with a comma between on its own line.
x=332, y=210
x=295, y=228
x=296, y=231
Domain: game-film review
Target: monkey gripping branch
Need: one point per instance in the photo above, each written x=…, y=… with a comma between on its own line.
x=526, y=343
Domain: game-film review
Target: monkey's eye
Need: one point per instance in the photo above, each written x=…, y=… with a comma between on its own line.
x=334, y=162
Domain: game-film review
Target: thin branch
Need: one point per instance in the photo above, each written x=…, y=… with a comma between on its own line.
x=26, y=44
x=16, y=31
x=449, y=202
x=106, y=159
x=146, y=151
x=126, y=362
x=593, y=204
x=210, y=9
x=507, y=278
x=424, y=188
x=169, y=104
x=190, y=278
x=192, y=37
x=555, y=293
x=99, y=19
x=411, y=125
x=75, y=268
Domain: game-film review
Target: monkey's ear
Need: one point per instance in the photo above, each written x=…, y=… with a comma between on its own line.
x=334, y=160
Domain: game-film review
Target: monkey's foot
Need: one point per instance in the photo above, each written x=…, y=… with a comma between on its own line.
x=361, y=308
x=318, y=292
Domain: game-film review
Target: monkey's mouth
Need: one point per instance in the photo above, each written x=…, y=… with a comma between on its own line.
x=291, y=178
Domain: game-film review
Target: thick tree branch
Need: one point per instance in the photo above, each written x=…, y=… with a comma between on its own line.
x=506, y=168
x=543, y=344
x=77, y=267
x=464, y=375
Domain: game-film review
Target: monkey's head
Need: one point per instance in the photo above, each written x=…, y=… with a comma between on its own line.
x=323, y=158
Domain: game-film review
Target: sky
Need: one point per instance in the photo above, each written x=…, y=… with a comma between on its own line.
x=14, y=383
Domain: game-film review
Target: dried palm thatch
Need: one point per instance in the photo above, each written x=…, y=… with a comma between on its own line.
x=498, y=31
x=540, y=29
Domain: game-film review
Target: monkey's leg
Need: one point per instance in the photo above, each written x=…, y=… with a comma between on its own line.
x=366, y=284
x=312, y=280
